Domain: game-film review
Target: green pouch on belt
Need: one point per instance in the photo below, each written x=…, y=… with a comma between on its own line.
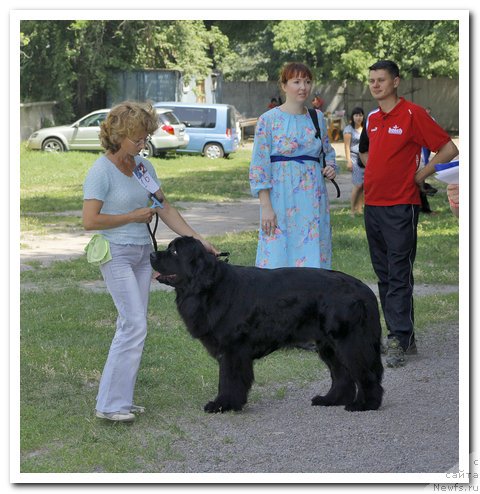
x=98, y=250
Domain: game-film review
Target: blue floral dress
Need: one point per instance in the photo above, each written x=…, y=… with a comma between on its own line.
x=297, y=190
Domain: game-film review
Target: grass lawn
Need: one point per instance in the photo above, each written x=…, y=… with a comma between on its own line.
x=66, y=330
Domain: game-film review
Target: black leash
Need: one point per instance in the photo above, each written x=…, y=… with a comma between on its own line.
x=152, y=233
x=224, y=254
x=314, y=117
x=155, y=246
x=154, y=240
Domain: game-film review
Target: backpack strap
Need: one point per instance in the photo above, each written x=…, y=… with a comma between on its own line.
x=318, y=135
x=314, y=117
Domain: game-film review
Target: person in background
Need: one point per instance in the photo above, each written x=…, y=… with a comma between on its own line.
x=452, y=194
x=351, y=139
x=396, y=131
x=318, y=102
x=287, y=176
x=425, y=151
x=273, y=103
x=116, y=205
x=426, y=189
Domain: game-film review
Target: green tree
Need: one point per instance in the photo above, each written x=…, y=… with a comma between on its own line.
x=337, y=49
x=72, y=61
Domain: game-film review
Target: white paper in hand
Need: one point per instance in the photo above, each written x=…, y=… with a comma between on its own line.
x=447, y=172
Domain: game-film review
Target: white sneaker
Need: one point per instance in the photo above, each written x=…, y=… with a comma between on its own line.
x=137, y=409
x=116, y=416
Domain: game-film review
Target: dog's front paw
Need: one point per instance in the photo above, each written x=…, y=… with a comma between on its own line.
x=322, y=401
x=213, y=407
x=220, y=406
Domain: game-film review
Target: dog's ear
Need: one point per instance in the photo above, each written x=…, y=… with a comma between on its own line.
x=199, y=264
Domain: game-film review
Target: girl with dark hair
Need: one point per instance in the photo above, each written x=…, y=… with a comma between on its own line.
x=351, y=139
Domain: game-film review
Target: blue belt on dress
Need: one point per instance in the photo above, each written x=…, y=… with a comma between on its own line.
x=299, y=159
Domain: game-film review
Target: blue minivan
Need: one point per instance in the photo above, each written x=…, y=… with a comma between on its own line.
x=212, y=128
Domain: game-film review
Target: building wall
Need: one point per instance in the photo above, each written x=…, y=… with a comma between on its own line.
x=440, y=94
x=34, y=116
x=251, y=99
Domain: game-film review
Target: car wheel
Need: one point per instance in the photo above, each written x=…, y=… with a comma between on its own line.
x=53, y=145
x=213, y=151
x=148, y=151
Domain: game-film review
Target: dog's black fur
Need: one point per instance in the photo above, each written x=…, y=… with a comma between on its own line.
x=244, y=313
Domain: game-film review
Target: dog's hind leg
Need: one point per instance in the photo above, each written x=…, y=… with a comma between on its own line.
x=342, y=391
x=366, y=370
x=235, y=380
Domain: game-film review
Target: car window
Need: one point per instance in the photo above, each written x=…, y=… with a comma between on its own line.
x=197, y=117
x=93, y=120
x=168, y=118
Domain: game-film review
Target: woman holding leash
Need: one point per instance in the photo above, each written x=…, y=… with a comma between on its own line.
x=287, y=176
x=117, y=192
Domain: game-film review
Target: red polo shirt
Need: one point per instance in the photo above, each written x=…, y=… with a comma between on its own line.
x=396, y=139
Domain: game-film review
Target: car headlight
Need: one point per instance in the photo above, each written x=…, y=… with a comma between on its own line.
x=35, y=134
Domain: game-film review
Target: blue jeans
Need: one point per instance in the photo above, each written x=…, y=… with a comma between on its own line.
x=128, y=277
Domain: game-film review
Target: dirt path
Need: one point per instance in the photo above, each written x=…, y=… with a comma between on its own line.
x=415, y=430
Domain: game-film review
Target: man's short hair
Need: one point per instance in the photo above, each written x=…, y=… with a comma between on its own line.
x=388, y=65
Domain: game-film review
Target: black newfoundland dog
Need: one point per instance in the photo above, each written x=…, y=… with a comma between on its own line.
x=244, y=313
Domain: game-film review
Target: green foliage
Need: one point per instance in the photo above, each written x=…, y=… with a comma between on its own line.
x=71, y=62
x=181, y=45
x=53, y=182
x=345, y=49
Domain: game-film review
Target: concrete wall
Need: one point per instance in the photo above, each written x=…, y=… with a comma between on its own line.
x=34, y=116
x=440, y=94
x=252, y=98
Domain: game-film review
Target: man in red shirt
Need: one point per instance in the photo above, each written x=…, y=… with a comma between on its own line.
x=396, y=132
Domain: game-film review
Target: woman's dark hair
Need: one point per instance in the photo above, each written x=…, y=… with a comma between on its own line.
x=356, y=111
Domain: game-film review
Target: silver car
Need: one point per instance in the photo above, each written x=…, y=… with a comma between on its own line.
x=83, y=135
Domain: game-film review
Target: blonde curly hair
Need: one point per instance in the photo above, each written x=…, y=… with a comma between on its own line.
x=127, y=119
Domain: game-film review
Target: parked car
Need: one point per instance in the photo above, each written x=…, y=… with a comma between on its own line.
x=212, y=127
x=83, y=135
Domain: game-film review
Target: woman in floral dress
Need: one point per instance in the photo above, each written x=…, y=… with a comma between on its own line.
x=286, y=174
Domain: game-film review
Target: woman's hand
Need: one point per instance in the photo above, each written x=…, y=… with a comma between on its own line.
x=209, y=246
x=329, y=172
x=142, y=215
x=269, y=220
x=349, y=165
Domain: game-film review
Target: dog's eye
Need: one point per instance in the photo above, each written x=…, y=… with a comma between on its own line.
x=174, y=252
